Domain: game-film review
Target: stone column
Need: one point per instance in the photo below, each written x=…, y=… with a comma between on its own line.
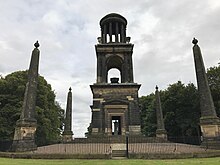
x=122, y=34
x=67, y=133
x=105, y=34
x=209, y=122
x=99, y=69
x=110, y=32
x=116, y=32
x=26, y=126
x=131, y=75
x=160, y=132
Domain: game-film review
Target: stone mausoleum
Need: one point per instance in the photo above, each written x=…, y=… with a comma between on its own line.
x=115, y=109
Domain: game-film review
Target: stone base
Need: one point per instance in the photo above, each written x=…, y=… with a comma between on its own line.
x=24, y=137
x=96, y=132
x=210, y=126
x=161, y=133
x=67, y=137
x=211, y=143
x=134, y=130
x=23, y=145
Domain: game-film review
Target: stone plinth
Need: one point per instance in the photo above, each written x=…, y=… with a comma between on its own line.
x=161, y=133
x=24, y=137
x=210, y=126
x=67, y=138
x=134, y=130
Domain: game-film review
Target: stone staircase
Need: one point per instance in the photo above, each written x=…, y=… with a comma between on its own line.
x=119, y=154
x=119, y=151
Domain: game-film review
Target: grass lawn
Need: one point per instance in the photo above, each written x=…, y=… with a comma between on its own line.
x=200, y=161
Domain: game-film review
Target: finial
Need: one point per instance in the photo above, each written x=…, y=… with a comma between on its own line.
x=128, y=39
x=36, y=44
x=156, y=87
x=99, y=40
x=194, y=41
x=70, y=89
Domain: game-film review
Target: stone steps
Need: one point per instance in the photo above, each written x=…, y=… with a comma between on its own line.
x=119, y=158
x=118, y=153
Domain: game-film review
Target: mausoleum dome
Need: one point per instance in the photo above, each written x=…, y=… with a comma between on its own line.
x=113, y=17
x=113, y=29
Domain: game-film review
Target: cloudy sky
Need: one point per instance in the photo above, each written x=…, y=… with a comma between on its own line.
x=67, y=30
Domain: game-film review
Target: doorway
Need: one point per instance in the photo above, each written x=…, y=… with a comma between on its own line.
x=116, y=125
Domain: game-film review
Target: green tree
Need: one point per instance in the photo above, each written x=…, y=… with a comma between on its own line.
x=180, y=107
x=49, y=114
x=181, y=110
x=148, y=115
x=213, y=75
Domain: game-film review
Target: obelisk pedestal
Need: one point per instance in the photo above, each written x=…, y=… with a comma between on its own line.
x=209, y=122
x=24, y=136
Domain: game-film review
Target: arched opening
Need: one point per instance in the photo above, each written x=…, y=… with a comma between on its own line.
x=107, y=39
x=114, y=73
x=114, y=69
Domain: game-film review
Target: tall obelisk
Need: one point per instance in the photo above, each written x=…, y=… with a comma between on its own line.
x=67, y=133
x=160, y=132
x=24, y=136
x=209, y=122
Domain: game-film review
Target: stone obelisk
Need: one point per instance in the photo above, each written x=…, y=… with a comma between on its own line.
x=160, y=132
x=67, y=133
x=209, y=122
x=24, y=136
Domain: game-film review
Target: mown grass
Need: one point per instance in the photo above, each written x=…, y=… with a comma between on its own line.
x=194, y=161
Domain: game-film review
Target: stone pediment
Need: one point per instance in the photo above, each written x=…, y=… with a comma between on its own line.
x=116, y=102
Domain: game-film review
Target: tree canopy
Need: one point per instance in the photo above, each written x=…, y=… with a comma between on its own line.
x=49, y=114
x=213, y=75
x=180, y=105
x=180, y=110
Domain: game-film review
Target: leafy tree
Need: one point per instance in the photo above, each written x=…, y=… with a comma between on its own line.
x=49, y=114
x=180, y=104
x=181, y=110
x=148, y=115
x=180, y=107
x=213, y=75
